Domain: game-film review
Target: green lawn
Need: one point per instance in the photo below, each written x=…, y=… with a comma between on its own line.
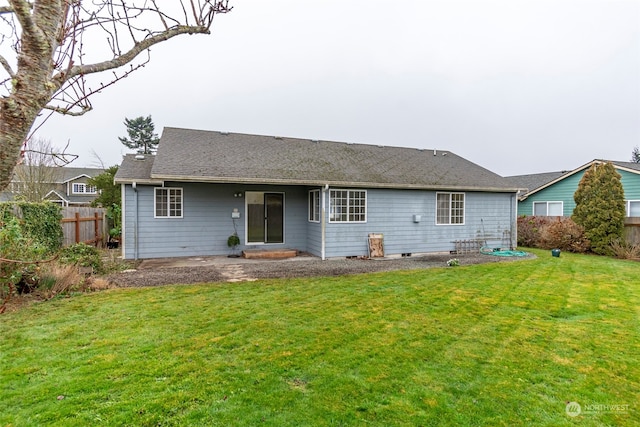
x=495, y=344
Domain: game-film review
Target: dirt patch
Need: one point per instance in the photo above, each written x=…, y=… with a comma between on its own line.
x=307, y=267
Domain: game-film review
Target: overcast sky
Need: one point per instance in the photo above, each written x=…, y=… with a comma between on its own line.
x=515, y=86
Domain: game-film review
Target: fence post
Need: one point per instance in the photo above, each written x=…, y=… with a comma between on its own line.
x=77, y=227
x=96, y=228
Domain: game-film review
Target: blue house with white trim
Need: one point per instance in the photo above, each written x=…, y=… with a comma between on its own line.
x=319, y=197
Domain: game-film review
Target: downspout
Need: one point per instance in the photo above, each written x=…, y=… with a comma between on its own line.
x=323, y=225
x=514, y=220
x=135, y=222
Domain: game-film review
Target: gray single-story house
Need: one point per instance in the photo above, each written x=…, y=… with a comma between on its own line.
x=319, y=197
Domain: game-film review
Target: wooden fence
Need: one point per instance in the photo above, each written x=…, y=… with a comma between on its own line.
x=632, y=230
x=84, y=224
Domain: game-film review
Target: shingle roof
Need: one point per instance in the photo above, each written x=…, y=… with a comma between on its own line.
x=209, y=156
x=135, y=170
x=627, y=165
x=63, y=174
x=536, y=182
x=532, y=181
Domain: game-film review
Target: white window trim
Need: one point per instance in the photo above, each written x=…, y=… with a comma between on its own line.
x=464, y=209
x=314, y=216
x=349, y=190
x=155, y=195
x=629, y=207
x=85, y=188
x=533, y=208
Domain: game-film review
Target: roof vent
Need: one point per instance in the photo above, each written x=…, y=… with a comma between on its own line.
x=224, y=133
x=434, y=152
x=139, y=157
x=277, y=137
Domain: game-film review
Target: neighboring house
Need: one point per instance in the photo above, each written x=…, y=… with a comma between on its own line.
x=551, y=194
x=318, y=197
x=65, y=186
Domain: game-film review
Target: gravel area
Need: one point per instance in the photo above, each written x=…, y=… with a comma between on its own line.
x=299, y=267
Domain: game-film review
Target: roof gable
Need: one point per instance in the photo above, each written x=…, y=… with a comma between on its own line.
x=209, y=156
x=75, y=177
x=58, y=196
x=627, y=166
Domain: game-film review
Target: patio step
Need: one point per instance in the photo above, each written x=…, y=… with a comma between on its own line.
x=269, y=253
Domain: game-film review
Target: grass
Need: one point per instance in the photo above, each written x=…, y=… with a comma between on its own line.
x=495, y=344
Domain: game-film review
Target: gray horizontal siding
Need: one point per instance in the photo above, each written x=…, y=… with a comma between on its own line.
x=206, y=223
x=390, y=212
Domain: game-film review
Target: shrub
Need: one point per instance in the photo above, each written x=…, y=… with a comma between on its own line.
x=625, y=250
x=600, y=206
x=39, y=222
x=552, y=233
x=82, y=255
x=529, y=230
x=563, y=233
x=59, y=279
x=18, y=269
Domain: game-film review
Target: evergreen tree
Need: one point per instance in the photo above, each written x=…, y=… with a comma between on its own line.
x=110, y=198
x=600, y=206
x=141, y=135
x=109, y=193
x=635, y=155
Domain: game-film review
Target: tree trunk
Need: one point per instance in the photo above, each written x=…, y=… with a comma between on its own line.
x=12, y=133
x=41, y=27
x=32, y=87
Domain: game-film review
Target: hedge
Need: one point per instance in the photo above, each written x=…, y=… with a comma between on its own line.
x=41, y=222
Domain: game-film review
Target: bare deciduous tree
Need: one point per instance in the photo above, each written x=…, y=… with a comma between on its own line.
x=48, y=48
x=39, y=171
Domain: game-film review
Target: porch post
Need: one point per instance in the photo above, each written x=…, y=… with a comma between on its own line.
x=323, y=223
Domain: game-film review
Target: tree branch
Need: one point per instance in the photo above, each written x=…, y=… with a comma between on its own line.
x=52, y=62
x=6, y=66
x=67, y=110
x=130, y=55
x=22, y=10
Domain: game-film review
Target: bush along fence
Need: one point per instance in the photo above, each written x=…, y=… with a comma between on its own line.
x=83, y=225
x=563, y=233
x=40, y=222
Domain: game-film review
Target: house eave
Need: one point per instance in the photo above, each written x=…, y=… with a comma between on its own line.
x=573, y=172
x=145, y=181
x=332, y=183
x=66, y=181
